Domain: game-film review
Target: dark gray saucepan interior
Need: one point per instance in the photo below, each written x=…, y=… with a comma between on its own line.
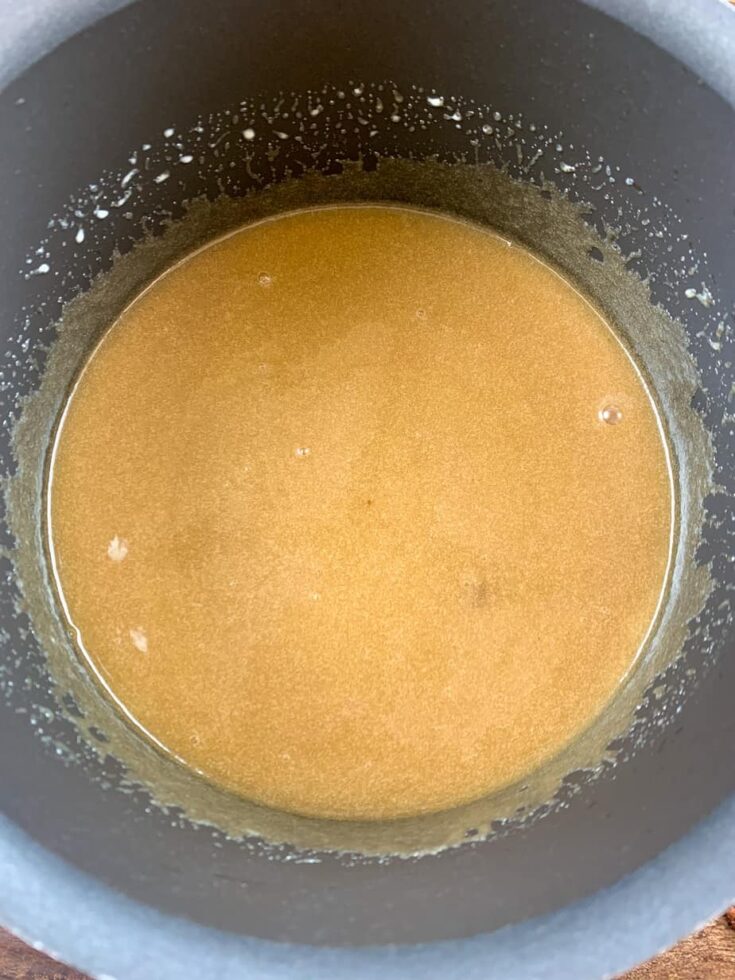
x=76, y=114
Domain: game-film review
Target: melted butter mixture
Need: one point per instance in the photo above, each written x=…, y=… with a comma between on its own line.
x=360, y=512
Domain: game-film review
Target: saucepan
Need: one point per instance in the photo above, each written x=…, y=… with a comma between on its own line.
x=116, y=119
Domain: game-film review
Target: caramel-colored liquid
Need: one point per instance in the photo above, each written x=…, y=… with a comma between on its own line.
x=361, y=512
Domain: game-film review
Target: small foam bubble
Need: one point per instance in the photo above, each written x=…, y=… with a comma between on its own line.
x=117, y=549
x=140, y=640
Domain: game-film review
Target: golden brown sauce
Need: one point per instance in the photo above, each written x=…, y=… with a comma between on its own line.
x=361, y=512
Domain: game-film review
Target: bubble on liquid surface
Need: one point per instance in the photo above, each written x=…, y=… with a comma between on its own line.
x=139, y=639
x=117, y=549
x=265, y=280
x=610, y=414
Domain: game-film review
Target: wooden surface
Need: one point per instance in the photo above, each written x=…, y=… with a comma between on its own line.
x=708, y=955
x=21, y=962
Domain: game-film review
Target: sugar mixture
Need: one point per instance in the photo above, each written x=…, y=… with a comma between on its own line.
x=360, y=512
